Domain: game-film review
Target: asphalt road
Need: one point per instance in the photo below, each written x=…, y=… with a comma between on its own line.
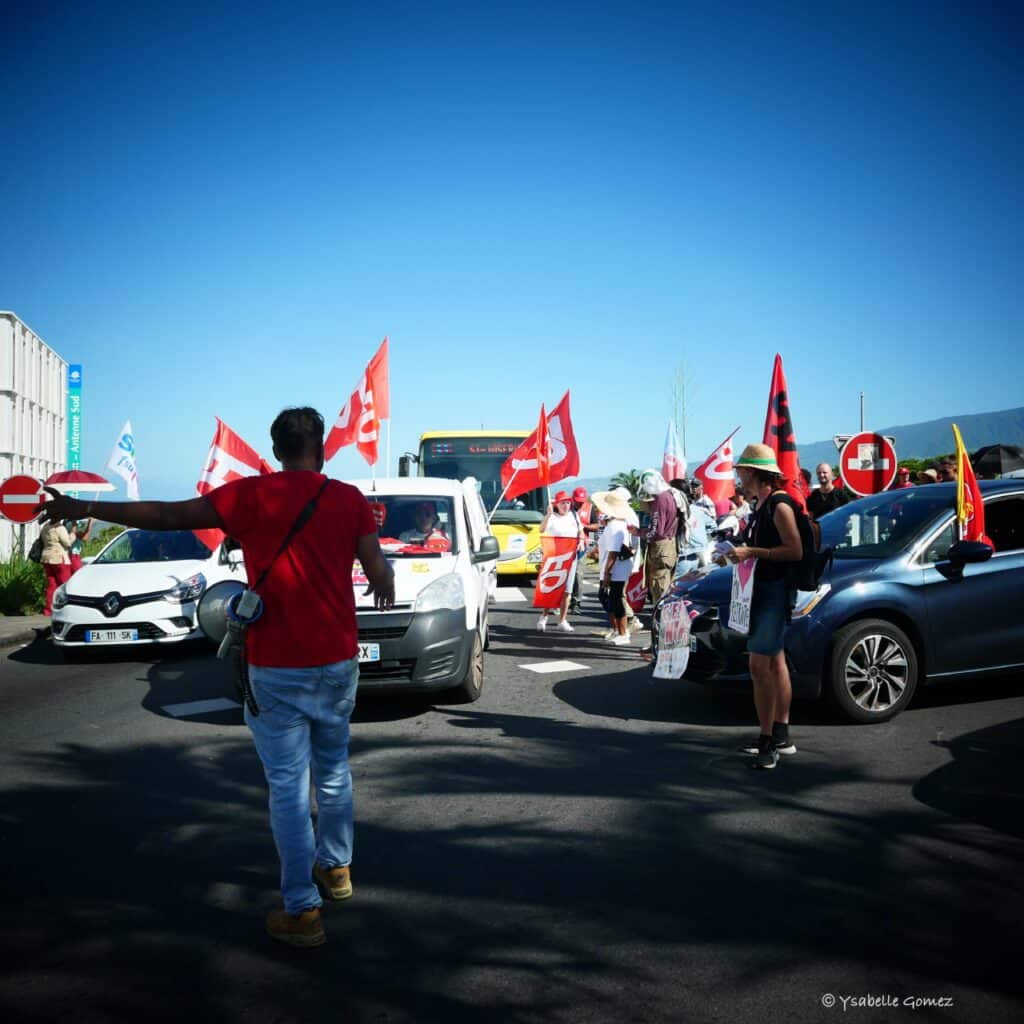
x=584, y=845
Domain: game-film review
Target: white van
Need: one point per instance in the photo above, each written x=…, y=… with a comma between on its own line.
x=435, y=535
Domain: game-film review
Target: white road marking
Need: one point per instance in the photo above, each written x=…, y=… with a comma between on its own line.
x=543, y=667
x=506, y=595
x=201, y=707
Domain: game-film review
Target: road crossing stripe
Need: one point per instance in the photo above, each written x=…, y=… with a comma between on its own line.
x=544, y=667
x=201, y=707
x=504, y=596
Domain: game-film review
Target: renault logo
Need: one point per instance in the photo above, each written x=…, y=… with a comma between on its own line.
x=111, y=605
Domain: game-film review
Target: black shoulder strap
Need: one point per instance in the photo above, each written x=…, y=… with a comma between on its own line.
x=304, y=516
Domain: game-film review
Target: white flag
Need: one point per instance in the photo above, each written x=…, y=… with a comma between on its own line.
x=122, y=461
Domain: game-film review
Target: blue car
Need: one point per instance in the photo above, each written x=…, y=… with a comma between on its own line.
x=902, y=602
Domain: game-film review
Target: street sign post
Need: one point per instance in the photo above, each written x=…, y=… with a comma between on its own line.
x=867, y=463
x=19, y=496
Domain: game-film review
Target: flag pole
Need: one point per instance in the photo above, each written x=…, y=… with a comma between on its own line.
x=501, y=496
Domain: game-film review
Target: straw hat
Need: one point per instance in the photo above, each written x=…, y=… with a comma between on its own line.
x=615, y=504
x=759, y=456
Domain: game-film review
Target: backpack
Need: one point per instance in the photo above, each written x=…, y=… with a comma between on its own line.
x=807, y=573
x=35, y=553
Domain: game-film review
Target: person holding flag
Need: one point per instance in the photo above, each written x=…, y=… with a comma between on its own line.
x=562, y=521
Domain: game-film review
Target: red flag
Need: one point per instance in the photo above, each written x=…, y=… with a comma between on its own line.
x=970, y=506
x=543, y=449
x=716, y=472
x=230, y=458
x=521, y=472
x=358, y=422
x=780, y=436
x=673, y=462
x=559, y=555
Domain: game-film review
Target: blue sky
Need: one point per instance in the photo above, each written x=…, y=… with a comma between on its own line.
x=221, y=210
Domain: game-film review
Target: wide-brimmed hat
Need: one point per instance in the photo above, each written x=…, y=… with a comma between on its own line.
x=928, y=476
x=759, y=456
x=613, y=503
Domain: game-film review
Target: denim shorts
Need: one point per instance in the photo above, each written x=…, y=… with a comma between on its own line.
x=769, y=617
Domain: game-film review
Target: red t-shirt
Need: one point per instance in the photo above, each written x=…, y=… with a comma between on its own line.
x=309, y=608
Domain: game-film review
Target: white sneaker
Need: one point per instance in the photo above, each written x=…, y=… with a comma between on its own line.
x=636, y=626
x=609, y=634
x=542, y=623
x=565, y=627
x=621, y=641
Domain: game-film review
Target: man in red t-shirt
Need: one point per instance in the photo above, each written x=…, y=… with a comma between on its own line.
x=302, y=650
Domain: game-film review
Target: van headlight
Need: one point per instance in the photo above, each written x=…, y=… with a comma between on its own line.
x=60, y=596
x=447, y=592
x=187, y=590
x=808, y=600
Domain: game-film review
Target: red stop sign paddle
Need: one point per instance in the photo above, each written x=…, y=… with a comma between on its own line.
x=19, y=496
x=867, y=463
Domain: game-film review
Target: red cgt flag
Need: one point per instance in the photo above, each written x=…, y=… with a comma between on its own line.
x=716, y=472
x=230, y=458
x=522, y=472
x=779, y=435
x=358, y=422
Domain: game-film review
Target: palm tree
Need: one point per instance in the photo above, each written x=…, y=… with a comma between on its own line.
x=630, y=479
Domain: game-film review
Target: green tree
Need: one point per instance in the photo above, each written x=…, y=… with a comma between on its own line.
x=630, y=479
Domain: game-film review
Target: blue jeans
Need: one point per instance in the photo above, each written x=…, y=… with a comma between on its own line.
x=303, y=720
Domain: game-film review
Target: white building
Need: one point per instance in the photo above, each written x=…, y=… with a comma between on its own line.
x=33, y=413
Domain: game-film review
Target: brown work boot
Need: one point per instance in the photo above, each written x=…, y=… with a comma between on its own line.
x=335, y=883
x=304, y=929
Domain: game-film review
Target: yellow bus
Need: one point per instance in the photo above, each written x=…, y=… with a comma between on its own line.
x=456, y=454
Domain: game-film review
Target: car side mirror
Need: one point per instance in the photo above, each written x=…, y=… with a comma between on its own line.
x=968, y=552
x=487, y=552
x=235, y=557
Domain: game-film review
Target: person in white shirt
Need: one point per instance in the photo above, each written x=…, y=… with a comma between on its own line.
x=615, y=569
x=561, y=521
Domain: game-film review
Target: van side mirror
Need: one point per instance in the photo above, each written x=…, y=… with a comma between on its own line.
x=404, y=465
x=968, y=552
x=487, y=552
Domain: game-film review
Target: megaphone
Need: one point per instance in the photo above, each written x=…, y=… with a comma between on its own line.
x=212, y=612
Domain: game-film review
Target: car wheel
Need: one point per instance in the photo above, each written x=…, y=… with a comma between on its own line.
x=472, y=685
x=873, y=670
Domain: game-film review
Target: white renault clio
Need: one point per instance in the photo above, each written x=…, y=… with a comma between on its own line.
x=435, y=534
x=142, y=588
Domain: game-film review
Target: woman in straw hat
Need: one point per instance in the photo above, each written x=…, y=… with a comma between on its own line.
x=616, y=569
x=774, y=540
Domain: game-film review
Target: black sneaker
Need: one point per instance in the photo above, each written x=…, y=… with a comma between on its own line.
x=785, y=747
x=767, y=756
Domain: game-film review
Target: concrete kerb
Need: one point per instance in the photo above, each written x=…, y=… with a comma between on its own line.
x=23, y=629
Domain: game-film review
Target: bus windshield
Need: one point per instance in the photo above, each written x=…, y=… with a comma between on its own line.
x=455, y=458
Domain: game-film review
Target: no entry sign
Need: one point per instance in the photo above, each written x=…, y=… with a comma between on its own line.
x=19, y=496
x=867, y=463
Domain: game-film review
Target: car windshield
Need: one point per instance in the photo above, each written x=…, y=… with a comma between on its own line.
x=414, y=525
x=154, y=546
x=883, y=524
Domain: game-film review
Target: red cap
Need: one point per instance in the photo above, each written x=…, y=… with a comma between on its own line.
x=562, y=496
x=903, y=471
x=580, y=495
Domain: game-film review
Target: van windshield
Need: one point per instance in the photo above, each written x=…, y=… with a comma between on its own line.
x=414, y=525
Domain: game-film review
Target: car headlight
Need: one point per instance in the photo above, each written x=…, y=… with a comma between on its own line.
x=60, y=597
x=535, y=557
x=808, y=600
x=447, y=592
x=187, y=590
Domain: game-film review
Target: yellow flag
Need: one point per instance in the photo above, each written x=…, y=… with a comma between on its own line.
x=964, y=506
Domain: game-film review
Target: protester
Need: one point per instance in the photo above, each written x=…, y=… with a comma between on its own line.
x=79, y=533
x=699, y=498
x=55, y=559
x=741, y=507
x=302, y=654
x=774, y=540
x=617, y=565
x=583, y=511
x=662, y=552
x=805, y=475
x=946, y=471
x=826, y=497
x=561, y=521
x=902, y=479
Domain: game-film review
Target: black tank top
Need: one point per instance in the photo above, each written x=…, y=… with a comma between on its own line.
x=766, y=535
